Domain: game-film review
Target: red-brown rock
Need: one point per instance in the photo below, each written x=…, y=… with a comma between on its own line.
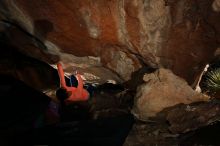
x=120, y=35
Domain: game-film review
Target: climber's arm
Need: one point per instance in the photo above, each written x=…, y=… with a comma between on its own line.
x=61, y=75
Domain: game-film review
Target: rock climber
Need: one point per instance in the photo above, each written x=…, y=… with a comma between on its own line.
x=74, y=92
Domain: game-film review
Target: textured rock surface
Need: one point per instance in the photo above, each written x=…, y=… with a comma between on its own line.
x=36, y=74
x=111, y=39
x=216, y=5
x=193, y=124
x=163, y=89
x=185, y=118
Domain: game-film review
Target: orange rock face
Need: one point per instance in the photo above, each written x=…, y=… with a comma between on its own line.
x=116, y=37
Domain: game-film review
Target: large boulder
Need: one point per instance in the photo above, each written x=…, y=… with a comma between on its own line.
x=163, y=89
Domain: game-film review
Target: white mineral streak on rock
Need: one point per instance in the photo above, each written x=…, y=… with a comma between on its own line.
x=155, y=20
x=93, y=29
x=122, y=28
